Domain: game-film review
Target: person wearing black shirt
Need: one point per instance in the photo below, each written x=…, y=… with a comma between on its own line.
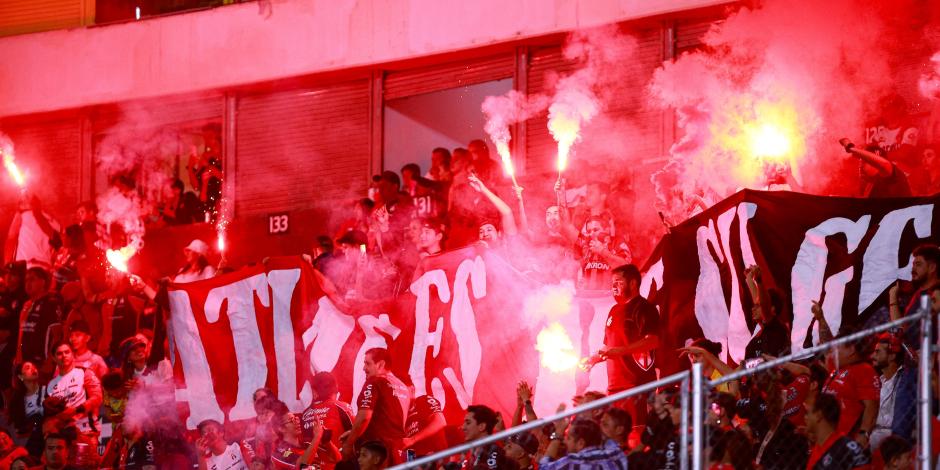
x=772, y=336
x=630, y=338
x=478, y=423
x=42, y=318
x=661, y=434
x=880, y=177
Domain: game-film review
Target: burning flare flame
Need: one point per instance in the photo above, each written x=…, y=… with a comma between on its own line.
x=557, y=350
x=565, y=131
x=9, y=162
x=502, y=148
x=761, y=133
x=573, y=106
x=119, y=258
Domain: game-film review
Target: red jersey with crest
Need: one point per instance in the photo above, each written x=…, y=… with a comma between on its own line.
x=333, y=415
x=423, y=410
x=626, y=324
x=851, y=385
x=389, y=400
x=794, y=395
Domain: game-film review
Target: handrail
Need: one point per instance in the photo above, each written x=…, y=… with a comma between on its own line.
x=647, y=387
x=814, y=350
x=679, y=377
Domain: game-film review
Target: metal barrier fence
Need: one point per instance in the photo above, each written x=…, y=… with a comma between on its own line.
x=694, y=386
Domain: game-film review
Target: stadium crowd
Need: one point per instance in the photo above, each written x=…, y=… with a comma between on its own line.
x=83, y=362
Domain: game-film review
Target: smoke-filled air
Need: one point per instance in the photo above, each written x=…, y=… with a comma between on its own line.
x=768, y=96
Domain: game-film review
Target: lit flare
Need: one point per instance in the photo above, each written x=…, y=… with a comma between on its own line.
x=502, y=148
x=761, y=134
x=556, y=348
x=119, y=258
x=565, y=131
x=9, y=162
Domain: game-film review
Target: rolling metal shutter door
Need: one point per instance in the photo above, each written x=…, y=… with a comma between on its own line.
x=29, y=16
x=50, y=153
x=447, y=76
x=299, y=149
x=690, y=34
x=626, y=106
x=160, y=112
x=545, y=66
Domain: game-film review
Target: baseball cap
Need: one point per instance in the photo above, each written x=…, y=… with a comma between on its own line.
x=80, y=325
x=527, y=441
x=130, y=344
x=197, y=246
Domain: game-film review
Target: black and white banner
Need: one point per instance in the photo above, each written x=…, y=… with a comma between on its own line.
x=844, y=252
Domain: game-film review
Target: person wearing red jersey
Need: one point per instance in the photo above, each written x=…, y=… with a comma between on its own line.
x=383, y=405
x=630, y=339
x=856, y=385
x=330, y=415
x=425, y=426
x=289, y=447
x=831, y=449
x=801, y=384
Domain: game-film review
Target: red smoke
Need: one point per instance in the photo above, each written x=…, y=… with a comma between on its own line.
x=824, y=64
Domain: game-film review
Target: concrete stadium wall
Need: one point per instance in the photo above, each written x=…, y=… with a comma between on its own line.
x=272, y=40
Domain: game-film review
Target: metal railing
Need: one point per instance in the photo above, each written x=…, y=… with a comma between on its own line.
x=593, y=405
x=924, y=391
x=692, y=398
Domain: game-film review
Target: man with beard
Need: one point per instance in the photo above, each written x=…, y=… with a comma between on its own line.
x=630, y=339
x=896, y=412
x=925, y=273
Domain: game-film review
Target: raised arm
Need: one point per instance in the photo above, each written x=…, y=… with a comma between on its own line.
x=505, y=212
x=825, y=334
x=885, y=168
x=523, y=218
x=752, y=276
